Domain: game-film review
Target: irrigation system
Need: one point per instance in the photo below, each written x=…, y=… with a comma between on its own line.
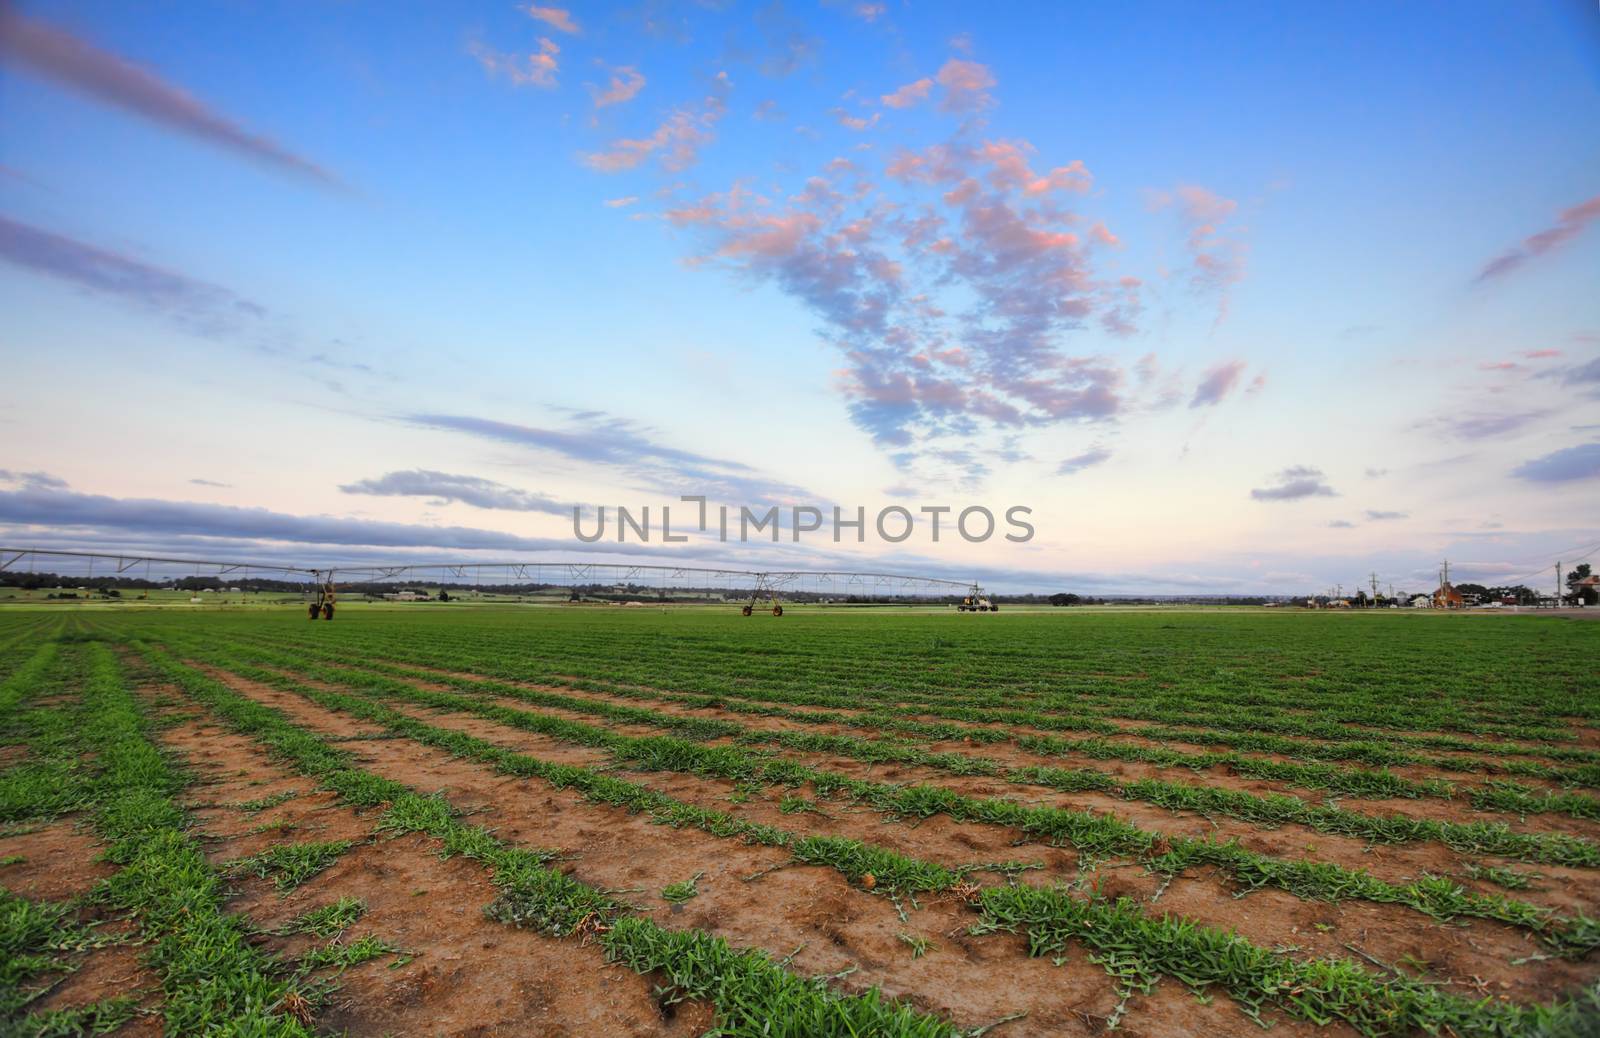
x=321, y=582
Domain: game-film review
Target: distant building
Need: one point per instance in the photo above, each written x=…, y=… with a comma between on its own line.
x=1422, y=602
x=1447, y=597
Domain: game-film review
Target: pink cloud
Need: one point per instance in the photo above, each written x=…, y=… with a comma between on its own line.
x=869, y=12
x=1216, y=252
x=1217, y=383
x=620, y=203
x=625, y=84
x=1011, y=170
x=557, y=18
x=854, y=122
x=1569, y=224
x=910, y=95
x=676, y=142
x=1541, y=354
x=966, y=85
x=104, y=77
x=538, y=69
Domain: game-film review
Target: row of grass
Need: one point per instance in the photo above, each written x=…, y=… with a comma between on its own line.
x=753, y=995
x=1503, y=796
x=1092, y=834
x=214, y=981
x=881, y=676
x=1346, y=747
x=1270, y=810
x=1122, y=936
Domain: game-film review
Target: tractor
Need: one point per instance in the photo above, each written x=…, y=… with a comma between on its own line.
x=975, y=601
x=322, y=605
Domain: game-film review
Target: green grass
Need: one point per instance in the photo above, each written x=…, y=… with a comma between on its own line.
x=291, y=864
x=1337, y=705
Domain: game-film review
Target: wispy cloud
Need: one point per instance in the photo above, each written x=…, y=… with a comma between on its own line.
x=1216, y=249
x=1088, y=459
x=538, y=69
x=32, y=480
x=558, y=18
x=676, y=142
x=910, y=95
x=630, y=448
x=198, y=304
x=1485, y=425
x=1379, y=516
x=624, y=85
x=966, y=85
x=1562, y=466
x=211, y=483
x=790, y=46
x=442, y=488
x=620, y=203
x=1569, y=224
x=1293, y=484
x=105, y=77
x=1217, y=383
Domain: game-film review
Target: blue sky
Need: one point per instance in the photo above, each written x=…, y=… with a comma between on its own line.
x=1241, y=297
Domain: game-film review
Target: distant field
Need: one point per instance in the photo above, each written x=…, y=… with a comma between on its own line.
x=610, y=820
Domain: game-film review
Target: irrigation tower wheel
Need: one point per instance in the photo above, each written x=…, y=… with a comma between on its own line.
x=777, y=610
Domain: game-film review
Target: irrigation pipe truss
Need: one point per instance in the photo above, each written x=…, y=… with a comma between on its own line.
x=565, y=574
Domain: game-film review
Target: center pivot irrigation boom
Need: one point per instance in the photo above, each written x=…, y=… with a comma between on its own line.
x=321, y=592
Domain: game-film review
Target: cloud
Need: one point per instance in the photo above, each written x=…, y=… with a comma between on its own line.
x=1378, y=516
x=32, y=480
x=1569, y=224
x=557, y=18
x=1341, y=524
x=1217, y=383
x=603, y=439
x=676, y=142
x=1482, y=426
x=1293, y=484
x=1375, y=473
x=104, y=77
x=1562, y=466
x=1088, y=459
x=443, y=488
x=625, y=84
x=966, y=85
x=789, y=46
x=910, y=95
x=211, y=483
x=204, y=306
x=869, y=12
x=62, y=511
x=987, y=231
x=620, y=203
x=1582, y=374
x=854, y=122
x=539, y=69
x=1541, y=354
x=1216, y=252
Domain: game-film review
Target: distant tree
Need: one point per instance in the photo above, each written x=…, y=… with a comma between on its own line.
x=1064, y=600
x=1586, y=596
x=444, y=596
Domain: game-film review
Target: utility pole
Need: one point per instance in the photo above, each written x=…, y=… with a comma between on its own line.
x=1444, y=575
x=1558, y=585
x=1374, y=589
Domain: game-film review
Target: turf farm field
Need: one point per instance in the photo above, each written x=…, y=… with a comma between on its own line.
x=591, y=821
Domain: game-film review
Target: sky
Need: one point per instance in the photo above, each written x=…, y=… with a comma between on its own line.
x=1232, y=298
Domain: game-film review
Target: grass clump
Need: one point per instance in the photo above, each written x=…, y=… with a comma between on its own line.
x=291, y=864
x=678, y=893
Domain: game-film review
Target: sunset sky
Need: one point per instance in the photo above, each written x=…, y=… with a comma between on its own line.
x=1235, y=297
